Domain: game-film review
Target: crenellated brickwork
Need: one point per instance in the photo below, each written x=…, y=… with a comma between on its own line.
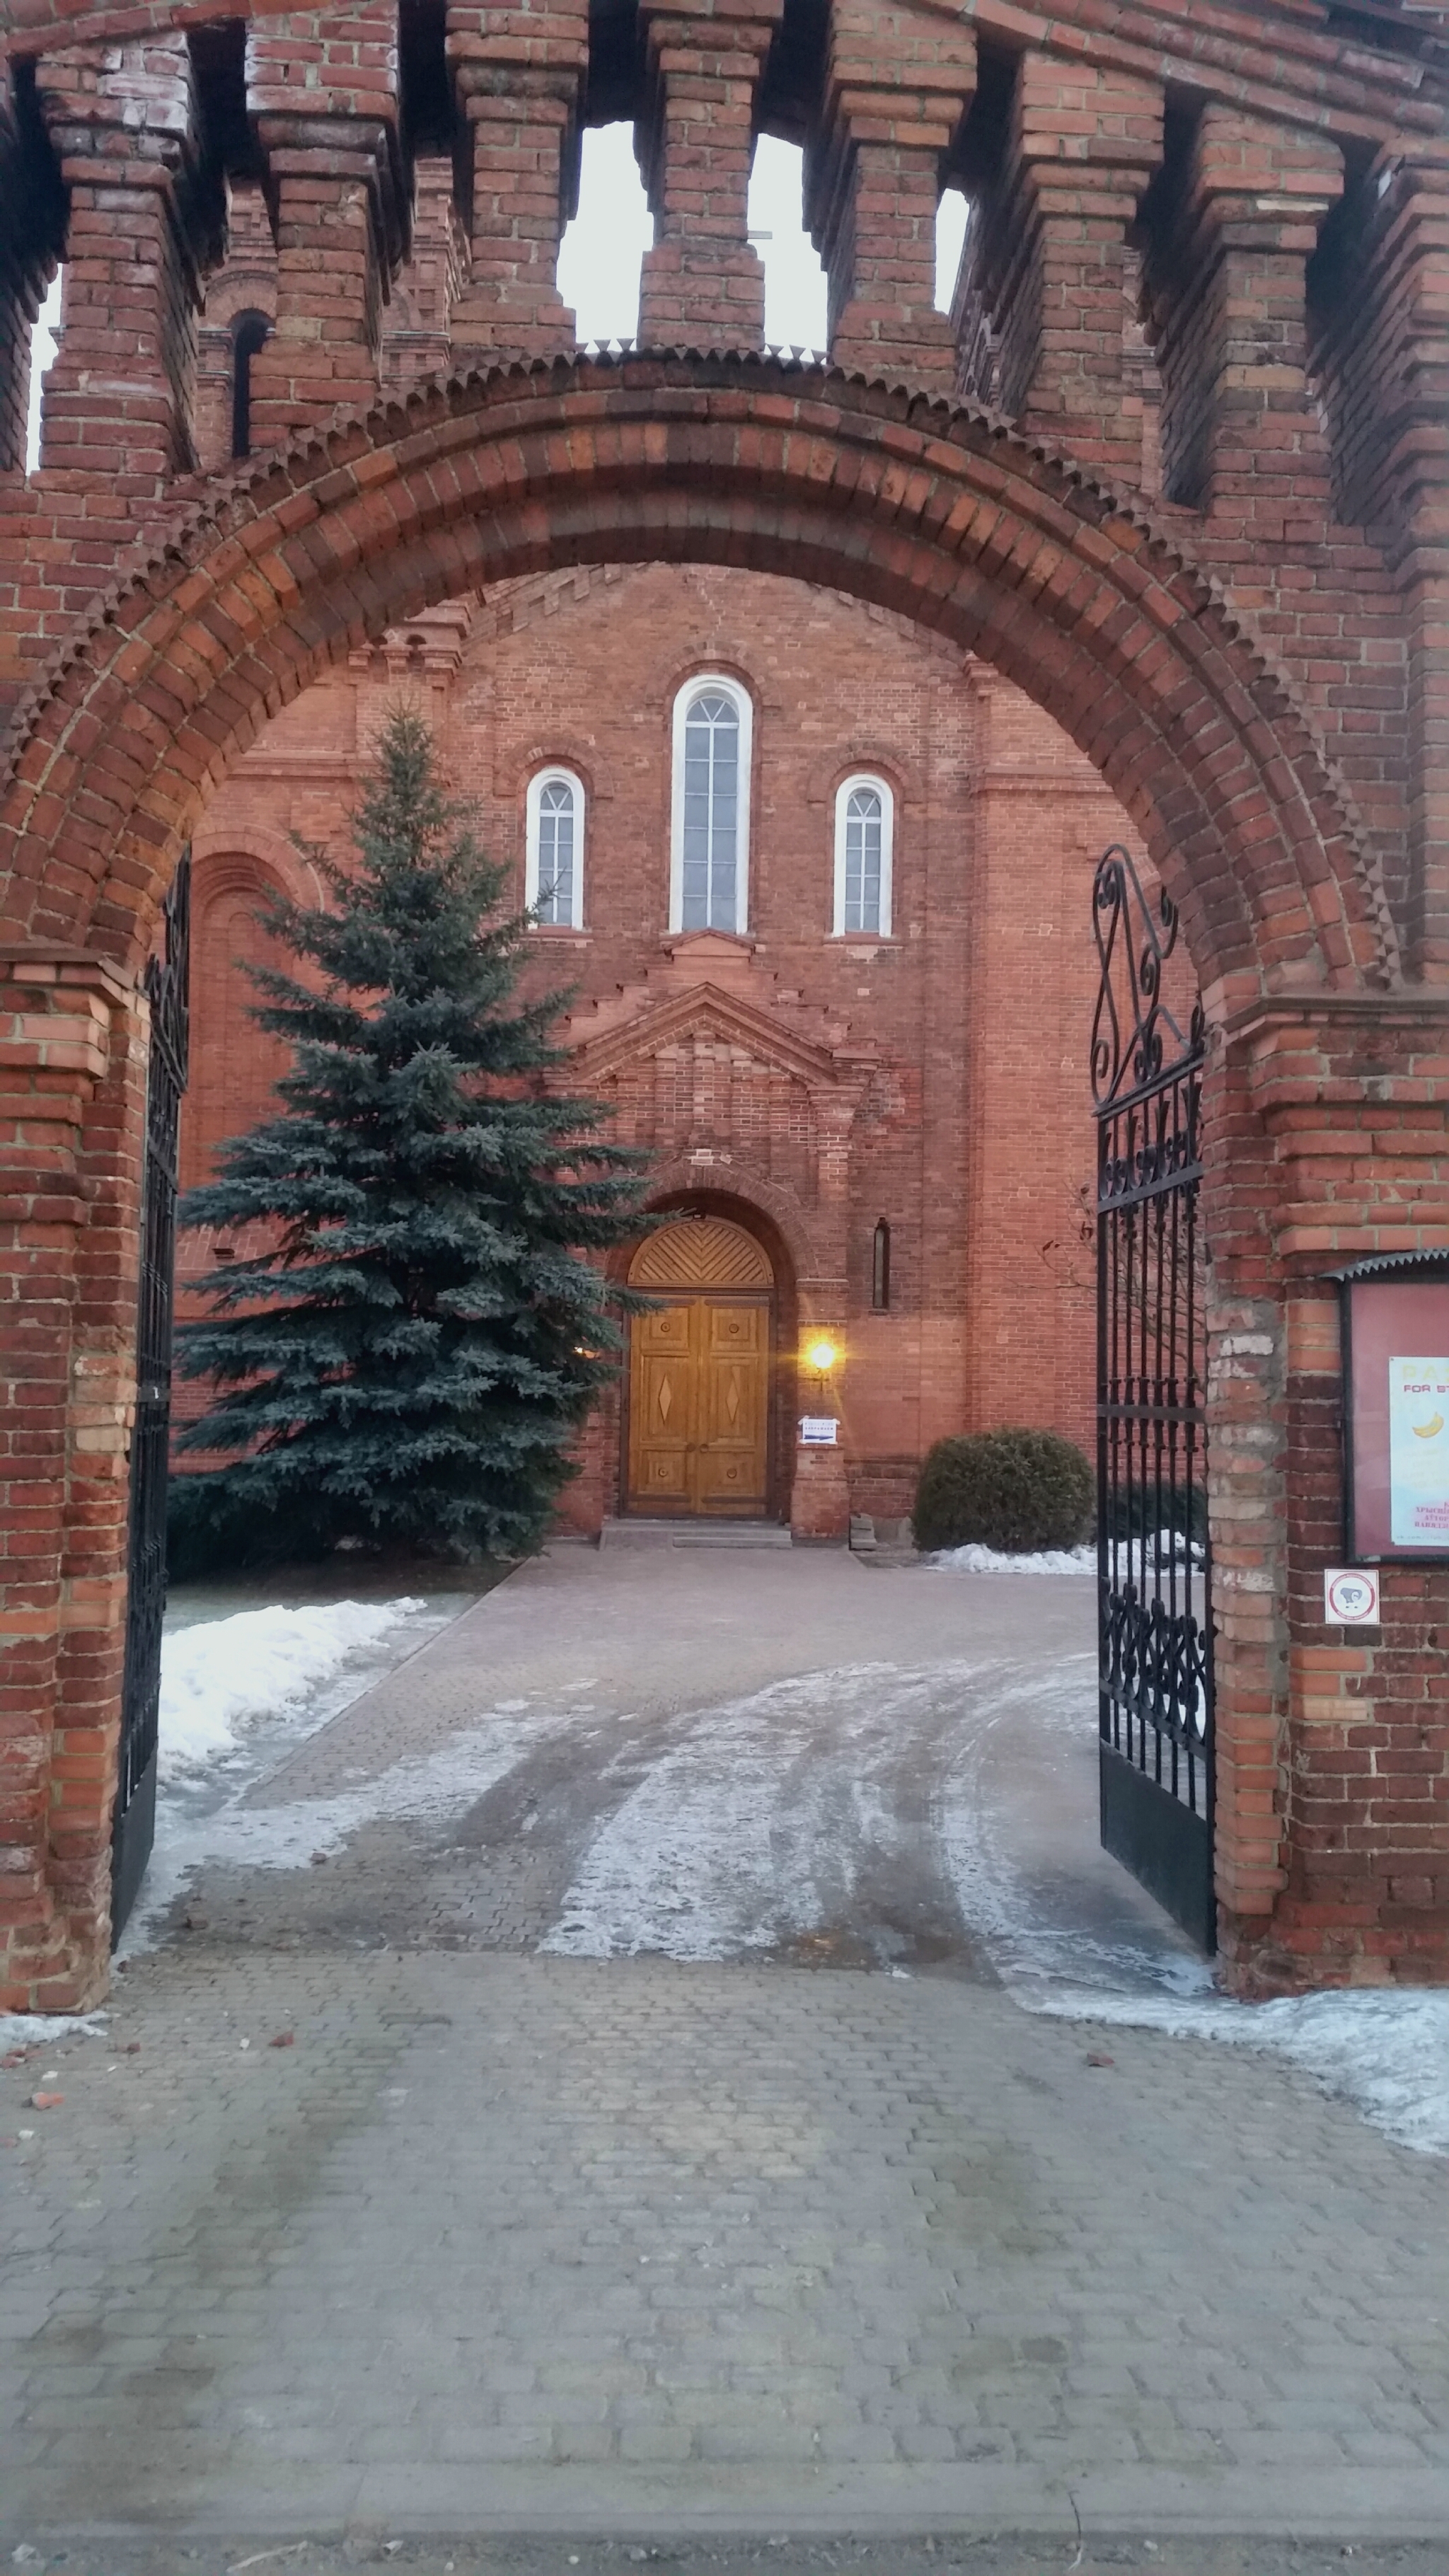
x=896, y=91
x=120, y=396
x=1243, y=242
x=702, y=283
x=322, y=90
x=519, y=78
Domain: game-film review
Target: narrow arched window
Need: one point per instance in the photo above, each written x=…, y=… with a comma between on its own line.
x=710, y=843
x=880, y=1269
x=864, y=832
x=554, y=874
x=250, y=332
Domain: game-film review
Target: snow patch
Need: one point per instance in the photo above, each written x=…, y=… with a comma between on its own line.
x=1385, y=2053
x=757, y=1826
x=975, y=1558
x=225, y=1674
x=37, y=2030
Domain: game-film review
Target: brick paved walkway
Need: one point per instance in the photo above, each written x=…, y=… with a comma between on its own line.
x=507, y=2241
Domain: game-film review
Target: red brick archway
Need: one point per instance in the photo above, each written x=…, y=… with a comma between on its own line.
x=947, y=517
x=944, y=516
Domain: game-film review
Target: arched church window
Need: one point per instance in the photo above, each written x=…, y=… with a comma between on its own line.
x=554, y=874
x=709, y=858
x=864, y=831
x=250, y=332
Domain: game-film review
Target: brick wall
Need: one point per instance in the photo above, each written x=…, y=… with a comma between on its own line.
x=970, y=1134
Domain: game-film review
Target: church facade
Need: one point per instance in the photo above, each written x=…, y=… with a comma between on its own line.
x=820, y=887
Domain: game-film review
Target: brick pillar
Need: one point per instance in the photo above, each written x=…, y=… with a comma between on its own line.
x=1085, y=144
x=872, y=187
x=1327, y=1145
x=519, y=76
x=1227, y=288
x=71, y=1111
x=701, y=282
x=118, y=400
x=1382, y=358
x=324, y=99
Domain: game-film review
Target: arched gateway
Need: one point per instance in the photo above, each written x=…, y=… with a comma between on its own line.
x=1247, y=646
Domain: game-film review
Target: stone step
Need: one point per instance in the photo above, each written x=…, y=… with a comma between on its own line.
x=649, y=1533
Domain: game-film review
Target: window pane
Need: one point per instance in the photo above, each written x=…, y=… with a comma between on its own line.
x=711, y=812
x=863, y=836
x=556, y=819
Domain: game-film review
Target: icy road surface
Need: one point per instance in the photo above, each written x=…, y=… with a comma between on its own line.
x=740, y=1754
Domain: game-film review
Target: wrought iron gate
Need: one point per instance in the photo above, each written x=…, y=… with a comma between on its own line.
x=1153, y=1573
x=135, y=1817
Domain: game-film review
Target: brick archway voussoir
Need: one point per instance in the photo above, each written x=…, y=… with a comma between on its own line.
x=950, y=520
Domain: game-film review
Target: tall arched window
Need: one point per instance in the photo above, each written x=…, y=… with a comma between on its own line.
x=554, y=876
x=709, y=857
x=864, y=831
x=250, y=332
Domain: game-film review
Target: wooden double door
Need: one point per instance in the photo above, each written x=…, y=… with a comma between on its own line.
x=699, y=1407
x=699, y=1374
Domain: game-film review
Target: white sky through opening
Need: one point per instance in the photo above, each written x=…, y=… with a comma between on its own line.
x=42, y=351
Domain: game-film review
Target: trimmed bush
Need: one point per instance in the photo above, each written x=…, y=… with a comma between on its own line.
x=1013, y=1490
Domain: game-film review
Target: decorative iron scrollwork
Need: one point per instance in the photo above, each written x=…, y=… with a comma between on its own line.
x=1135, y=1037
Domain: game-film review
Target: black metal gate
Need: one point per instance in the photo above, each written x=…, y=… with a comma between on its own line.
x=135, y=1819
x=1153, y=1571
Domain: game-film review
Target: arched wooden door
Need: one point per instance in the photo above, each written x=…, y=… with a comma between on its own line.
x=699, y=1372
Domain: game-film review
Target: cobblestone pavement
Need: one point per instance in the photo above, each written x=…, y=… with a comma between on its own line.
x=410, y=2240
x=984, y=2554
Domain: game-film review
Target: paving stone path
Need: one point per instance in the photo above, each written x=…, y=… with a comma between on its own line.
x=410, y=2240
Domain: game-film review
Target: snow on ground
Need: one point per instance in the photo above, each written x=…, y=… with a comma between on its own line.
x=1059, y=1952
x=225, y=1674
x=786, y=1812
x=38, y=2030
x=1386, y=2052
x=757, y=1825
x=974, y=1558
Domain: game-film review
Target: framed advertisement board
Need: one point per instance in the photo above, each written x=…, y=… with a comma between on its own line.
x=1396, y=1417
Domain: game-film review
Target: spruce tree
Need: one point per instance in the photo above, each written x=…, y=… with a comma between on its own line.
x=408, y=1346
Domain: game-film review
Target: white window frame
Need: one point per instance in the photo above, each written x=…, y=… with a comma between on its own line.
x=844, y=792
x=704, y=684
x=554, y=774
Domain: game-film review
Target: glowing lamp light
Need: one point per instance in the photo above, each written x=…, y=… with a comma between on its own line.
x=822, y=1356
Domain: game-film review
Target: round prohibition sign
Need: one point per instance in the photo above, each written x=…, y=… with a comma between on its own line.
x=1352, y=1596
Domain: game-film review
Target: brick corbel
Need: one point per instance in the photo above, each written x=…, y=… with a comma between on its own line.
x=1085, y=143
x=1226, y=286
x=519, y=78
x=701, y=282
x=145, y=222
x=873, y=168
x=324, y=103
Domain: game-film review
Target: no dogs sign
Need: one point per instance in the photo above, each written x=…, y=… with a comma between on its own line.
x=1351, y=1596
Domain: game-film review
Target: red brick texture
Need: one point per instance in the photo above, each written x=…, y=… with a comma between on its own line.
x=1257, y=665
x=932, y=1078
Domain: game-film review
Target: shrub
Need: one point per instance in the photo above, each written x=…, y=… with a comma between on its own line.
x=1014, y=1490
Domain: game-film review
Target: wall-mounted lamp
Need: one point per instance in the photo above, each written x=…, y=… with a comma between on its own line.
x=822, y=1355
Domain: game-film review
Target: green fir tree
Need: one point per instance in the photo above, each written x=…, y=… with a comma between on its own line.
x=406, y=1357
